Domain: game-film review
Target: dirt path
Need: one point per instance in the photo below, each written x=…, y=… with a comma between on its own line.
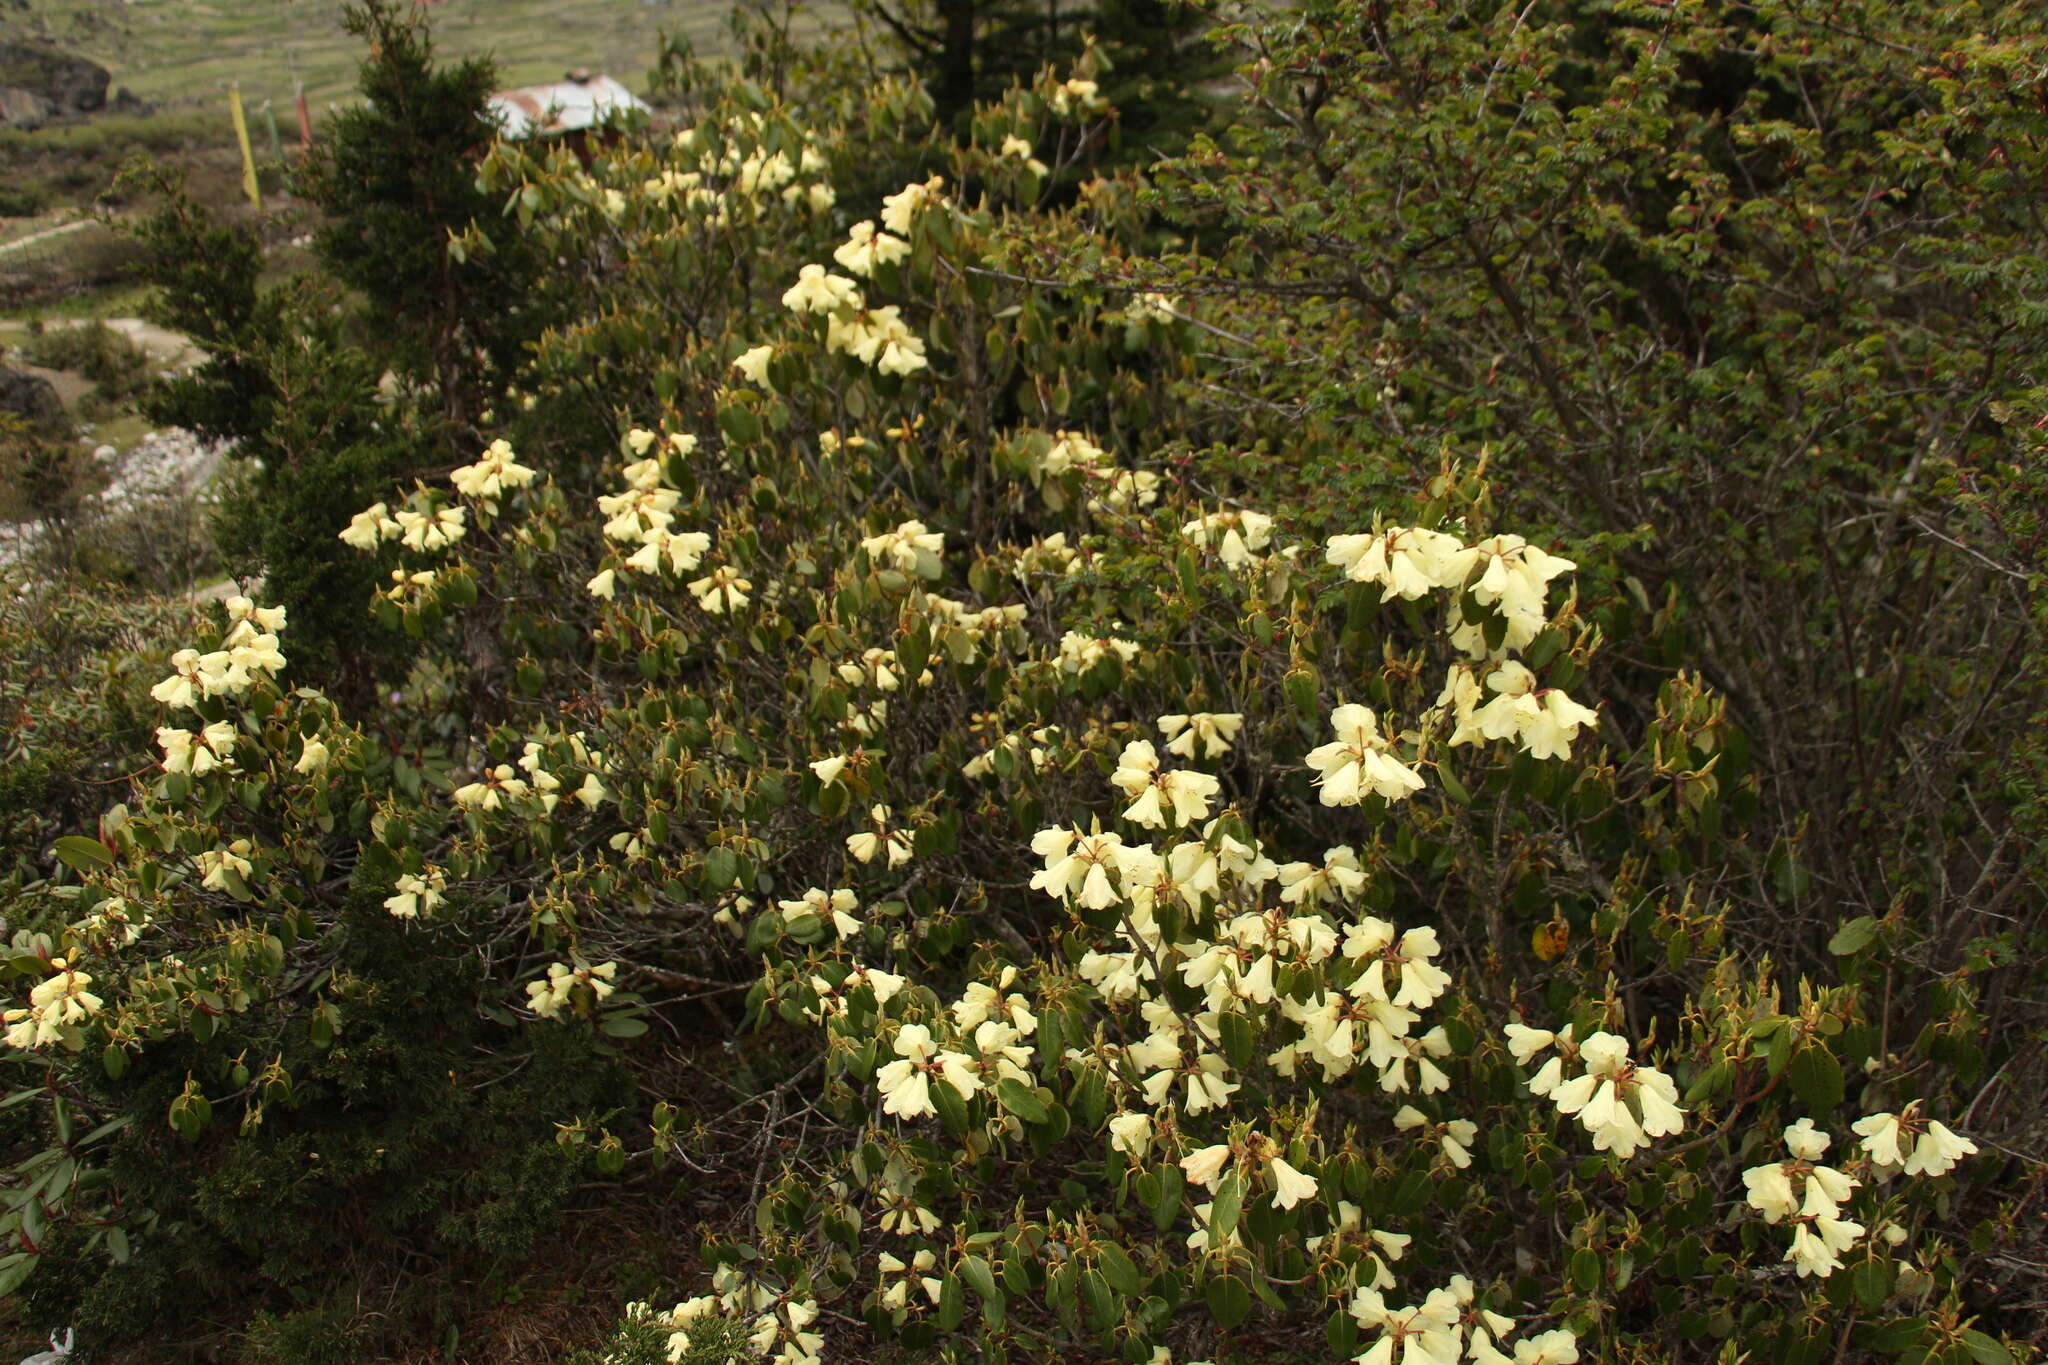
x=171, y=349
x=45, y=235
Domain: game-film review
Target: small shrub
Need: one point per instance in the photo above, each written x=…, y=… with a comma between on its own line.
x=42, y=478
x=113, y=362
x=21, y=201
x=314, y=1336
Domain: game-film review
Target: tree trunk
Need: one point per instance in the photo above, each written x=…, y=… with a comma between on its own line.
x=954, y=90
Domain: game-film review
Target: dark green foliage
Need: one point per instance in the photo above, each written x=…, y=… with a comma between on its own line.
x=421, y=1131
x=1733, y=296
x=286, y=381
x=313, y=1336
x=74, y=709
x=332, y=401
x=395, y=176
x=20, y=202
x=41, y=473
x=970, y=51
x=1630, y=263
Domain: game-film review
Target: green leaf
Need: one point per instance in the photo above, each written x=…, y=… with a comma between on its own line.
x=952, y=1110
x=980, y=1276
x=1586, y=1269
x=1854, y=936
x=721, y=865
x=1453, y=788
x=763, y=933
x=1235, y=1032
x=1166, y=1204
x=16, y=1268
x=117, y=1245
x=1016, y=1097
x=1411, y=1194
x=739, y=425
x=1059, y=1292
x=1224, y=1209
x=1983, y=1349
x=1303, y=693
x=1872, y=1282
x=1778, y=1051
x=914, y=649
x=1056, y=1126
x=1100, y=1302
x=190, y=1113
x=1496, y=631
x=1788, y=878
x=952, y=1303
x=624, y=1026
x=1119, y=1269
x=1342, y=1334
x=1816, y=1078
x=81, y=854
x=110, y=1126
x=1897, y=1336
x=1229, y=1300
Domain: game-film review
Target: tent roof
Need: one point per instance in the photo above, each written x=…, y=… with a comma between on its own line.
x=563, y=106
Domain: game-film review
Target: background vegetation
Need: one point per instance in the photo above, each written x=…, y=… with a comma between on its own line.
x=475, y=999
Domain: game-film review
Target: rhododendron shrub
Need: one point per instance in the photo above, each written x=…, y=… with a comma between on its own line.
x=1188, y=919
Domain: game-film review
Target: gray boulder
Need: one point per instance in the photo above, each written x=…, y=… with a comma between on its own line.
x=32, y=398
x=72, y=84
x=24, y=109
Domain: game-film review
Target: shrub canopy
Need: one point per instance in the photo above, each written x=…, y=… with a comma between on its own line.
x=1398, y=738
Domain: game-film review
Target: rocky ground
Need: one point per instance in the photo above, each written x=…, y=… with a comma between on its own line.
x=160, y=467
x=162, y=463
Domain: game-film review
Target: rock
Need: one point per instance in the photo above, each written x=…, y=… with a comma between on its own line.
x=33, y=398
x=24, y=109
x=105, y=454
x=74, y=85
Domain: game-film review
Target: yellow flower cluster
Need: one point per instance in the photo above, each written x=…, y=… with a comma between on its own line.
x=1621, y=1103
x=643, y=514
x=1109, y=488
x=551, y=994
x=495, y=473
x=876, y=336
x=1236, y=535
x=1811, y=1196
x=1447, y=1328
x=834, y=907
x=734, y=173
x=1360, y=761
x=416, y=895
x=248, y=652
x=216, y=864
x=56, y=1006
x=1808, y=1195
x=910, y=548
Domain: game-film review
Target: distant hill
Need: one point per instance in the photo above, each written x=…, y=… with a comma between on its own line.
x=179, y=51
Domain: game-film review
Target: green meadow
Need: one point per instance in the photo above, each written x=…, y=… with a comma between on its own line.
x=178, y=52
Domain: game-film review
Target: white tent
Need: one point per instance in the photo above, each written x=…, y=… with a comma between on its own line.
x=573, y=104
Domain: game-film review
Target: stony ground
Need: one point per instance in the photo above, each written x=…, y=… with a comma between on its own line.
x=161, y=463
x=156, y=466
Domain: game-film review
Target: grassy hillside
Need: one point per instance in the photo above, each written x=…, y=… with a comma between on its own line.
x=180, y=51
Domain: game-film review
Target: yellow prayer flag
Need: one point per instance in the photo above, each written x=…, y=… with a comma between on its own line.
x=242, y=137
